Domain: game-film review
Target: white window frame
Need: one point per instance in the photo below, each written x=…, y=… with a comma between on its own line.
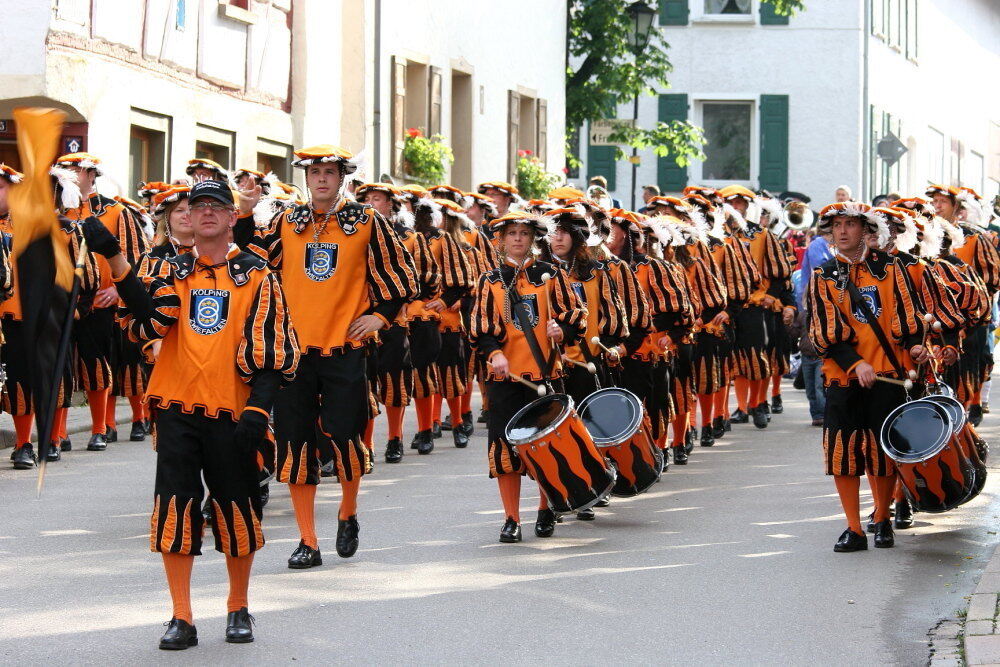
x=697, y=108
x=940, y=175
x=973, y=156
x=698, y=14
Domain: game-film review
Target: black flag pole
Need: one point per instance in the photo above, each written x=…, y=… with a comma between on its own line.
x=62, y=355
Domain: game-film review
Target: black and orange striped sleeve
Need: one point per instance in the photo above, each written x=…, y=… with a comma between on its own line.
x=566, y=308
x=986, y=262
x=776, y=266
x=490, y=257
x=829, y=330
x=908, y=326
x=391, y=281
x=938, y=300
x=266, y=242
x=669, y=303
x=151, y=302
x=611, y=320
x=487, y=331
x=734, y=274
x=457, y=276
x=269, y=342
x=632, y=296
x=706, y=288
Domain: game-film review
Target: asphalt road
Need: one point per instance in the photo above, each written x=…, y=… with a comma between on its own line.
x=728, y=560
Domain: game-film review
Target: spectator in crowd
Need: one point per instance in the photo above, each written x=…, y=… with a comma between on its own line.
x=602, y=183
x=648, y=192
x=819, y=251
x=842, y=194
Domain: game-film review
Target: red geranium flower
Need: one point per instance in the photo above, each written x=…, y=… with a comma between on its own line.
x=414, y=133
x=522, y=153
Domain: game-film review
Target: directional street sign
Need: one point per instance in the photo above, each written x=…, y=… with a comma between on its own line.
x=600, y=130
x=890, y=149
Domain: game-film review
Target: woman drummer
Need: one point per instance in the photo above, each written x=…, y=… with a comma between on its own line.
x=556, y=318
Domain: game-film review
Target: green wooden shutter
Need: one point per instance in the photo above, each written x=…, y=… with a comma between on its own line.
x=774, y=142
x=601, y=162
x=770, y=17
x=673, y=12
x=669, y=175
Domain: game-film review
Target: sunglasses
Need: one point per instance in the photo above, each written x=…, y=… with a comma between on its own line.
x=215, y=206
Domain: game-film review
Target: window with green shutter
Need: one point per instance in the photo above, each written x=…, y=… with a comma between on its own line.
x=669, y=175
x=770, y=17
x=774, y=142
x=601, y=162
x=673, y=12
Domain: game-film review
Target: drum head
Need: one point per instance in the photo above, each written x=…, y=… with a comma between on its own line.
x=538, y=418
x=915, y=431
x=941, y=389
x=956, y=411
x=611, y=415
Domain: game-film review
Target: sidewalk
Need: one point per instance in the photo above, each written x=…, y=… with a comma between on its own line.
x=982, y=625
x=78, y=421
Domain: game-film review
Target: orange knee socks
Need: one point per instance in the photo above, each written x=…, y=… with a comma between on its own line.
x=425, y=413
x=61, y=414
x=239, y=581
x=394, y=417
x=759, y=392
x=178, y=569
x=721, y=399
x=882, y=488
x=510, y=494
x=455, y=407
x=543, y=501
x=775, y=385
x=22, y=428
x=742, y=393
x=366, y=437
x=467, y=399
x=436, y=415
x=349, y=498
x=97, y=400
x=304, y=504
x=110, y=421
x=706, y=405
x=848, y=489
x=138, y=413
x=680, y=424
x=897, y=494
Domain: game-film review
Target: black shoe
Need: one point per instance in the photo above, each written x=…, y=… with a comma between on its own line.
x=179, y=635
x=776, y=406
x=111, y=434
x=23, y=457
x=484, y=416
x=871, y=523
x=718, y=428
x=265, y=495
x=706, y=436
x=66, y=445
x=458, y=435
x=760, y=417
x=883, y=535
x=851, y=541
x=423, y=442
x=467, y=426
x=904, y=515
x=586, y=515
x=975, y=414
x=727, y=425
x=604, y=501
x=665, y=460
x=238, y=626
x=97, y=443
x=767, y=410
x=689, y=437
x=138, y=432
x=208, y=511
x=739, y=417
x=304, y=557
x=53, y=454
x=347, y=536
x=446, y=424
x=436, y=430
x=545, y=524
x=511, y=531
x=680, y=456
x=394, y=451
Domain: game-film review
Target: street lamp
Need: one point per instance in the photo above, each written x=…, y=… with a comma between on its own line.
x=642, y=17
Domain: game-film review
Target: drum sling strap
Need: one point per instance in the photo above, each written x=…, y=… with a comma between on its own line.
x=859, y=302
x=523, y=315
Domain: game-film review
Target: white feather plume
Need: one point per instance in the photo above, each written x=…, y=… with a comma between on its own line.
x=952, y=231
x=773, y=209
x=907, y=239
x=718, y=229
x=930, y=246
x=71, y=196
x=405, y=218
x=729, y=211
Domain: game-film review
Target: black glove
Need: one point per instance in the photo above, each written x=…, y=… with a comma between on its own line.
x=250, y=431
x=98, y=238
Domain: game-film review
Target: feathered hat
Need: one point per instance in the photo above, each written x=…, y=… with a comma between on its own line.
x=211, y=165
x=162, y=200
x=534, y=222
x=875, y=224
x=348, y=161
x=11, y=175
x=82, y=160
x=573, y=220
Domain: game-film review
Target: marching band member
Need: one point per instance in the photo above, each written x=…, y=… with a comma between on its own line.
x=212, y=389
x=174, y=233
x=203, y=169
x=504, y=195
x=324, y=251
x=858, y=284
x=107, y=365
x=497, y=334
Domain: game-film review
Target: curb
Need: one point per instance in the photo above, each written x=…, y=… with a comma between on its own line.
x=7, y=435
x=981, y=637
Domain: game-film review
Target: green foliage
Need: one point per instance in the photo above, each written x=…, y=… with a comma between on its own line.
x=425, y=159
x=533, y=182
x=609, y=74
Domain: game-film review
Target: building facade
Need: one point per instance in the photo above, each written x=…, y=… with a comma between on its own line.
x=803, y=103
x=149, y=84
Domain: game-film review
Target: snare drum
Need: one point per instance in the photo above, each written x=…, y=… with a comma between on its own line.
x=559, y=454
x=621, y=430
x=934, y=471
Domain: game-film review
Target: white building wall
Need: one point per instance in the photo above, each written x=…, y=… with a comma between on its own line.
x=511, y=45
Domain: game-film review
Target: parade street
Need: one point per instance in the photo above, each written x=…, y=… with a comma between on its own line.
x=728, y=560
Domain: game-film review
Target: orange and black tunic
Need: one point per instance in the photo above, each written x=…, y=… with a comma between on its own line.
x=982, y=255
x=324, y=259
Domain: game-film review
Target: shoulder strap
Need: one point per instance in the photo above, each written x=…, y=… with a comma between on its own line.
x=858, y=301
x=520, y=312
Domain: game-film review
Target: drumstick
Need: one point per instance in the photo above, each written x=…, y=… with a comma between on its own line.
x=546, y=277
x=596, y=340
x=540, y=389
x=905, y=384
x=584, y=364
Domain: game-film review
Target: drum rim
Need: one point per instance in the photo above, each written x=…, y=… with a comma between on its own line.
x=937, y=407
x=629, y=432
x=943, y=389
x=945, y=398
x=556, y=423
